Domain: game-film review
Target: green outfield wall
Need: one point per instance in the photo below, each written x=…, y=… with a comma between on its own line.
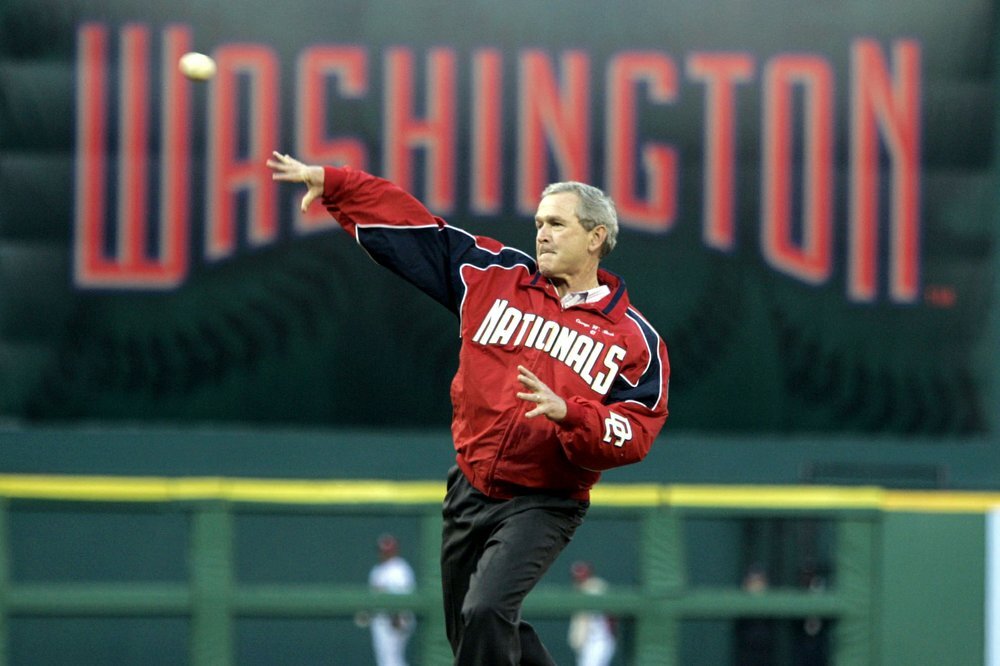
x=247, y=571
x=259, y=552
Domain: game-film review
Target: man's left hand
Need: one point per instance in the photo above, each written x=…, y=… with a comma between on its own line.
x=547, y=403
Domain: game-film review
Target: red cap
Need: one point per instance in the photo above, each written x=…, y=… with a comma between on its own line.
x=387, y=544
x=581, y=570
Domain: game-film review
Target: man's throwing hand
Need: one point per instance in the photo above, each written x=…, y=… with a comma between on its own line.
x=289, y=169
x=547, y=403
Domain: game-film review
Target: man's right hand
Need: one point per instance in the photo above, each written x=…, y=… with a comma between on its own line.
x=287, y=168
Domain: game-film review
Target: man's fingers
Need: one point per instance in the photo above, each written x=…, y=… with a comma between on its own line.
x=547, y=403
x=283, y=170
x=308, y=199
x=277, y=160
x=284, y=163
x=289, y=170
x=528, y=379
x=538, y=409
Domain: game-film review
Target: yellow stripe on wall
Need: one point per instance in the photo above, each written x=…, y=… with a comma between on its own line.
x=168, y=489
x=291, y=491
x=774, y=497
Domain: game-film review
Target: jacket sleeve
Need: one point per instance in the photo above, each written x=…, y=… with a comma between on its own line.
x=620, y=431
x=398, y=232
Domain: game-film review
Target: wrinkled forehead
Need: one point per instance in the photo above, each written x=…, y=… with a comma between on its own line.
x=561, y=205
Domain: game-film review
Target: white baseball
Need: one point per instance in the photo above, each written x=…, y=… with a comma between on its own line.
x=197, y=66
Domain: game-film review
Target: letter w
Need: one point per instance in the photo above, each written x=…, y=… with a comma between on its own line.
x=126, y=255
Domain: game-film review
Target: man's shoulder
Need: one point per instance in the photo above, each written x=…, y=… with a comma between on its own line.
x=490, y=255
x=641, y=323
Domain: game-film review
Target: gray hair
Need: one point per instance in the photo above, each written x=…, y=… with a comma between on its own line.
x=594, y=208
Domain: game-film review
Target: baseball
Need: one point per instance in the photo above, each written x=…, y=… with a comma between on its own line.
x=197, y=66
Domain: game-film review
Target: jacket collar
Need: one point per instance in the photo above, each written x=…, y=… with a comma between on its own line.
x=612, y=306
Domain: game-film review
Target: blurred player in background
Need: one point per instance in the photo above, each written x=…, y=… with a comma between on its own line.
x=559, y=378
x=391, y=631
x=756, y=637
x=591, y=633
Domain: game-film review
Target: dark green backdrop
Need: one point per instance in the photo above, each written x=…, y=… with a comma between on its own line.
x=302, y=329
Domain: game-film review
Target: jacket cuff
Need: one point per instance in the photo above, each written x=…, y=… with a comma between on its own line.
x=333, y=179
x=574, y=414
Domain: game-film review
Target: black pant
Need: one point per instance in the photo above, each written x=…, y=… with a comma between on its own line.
x=493, y=552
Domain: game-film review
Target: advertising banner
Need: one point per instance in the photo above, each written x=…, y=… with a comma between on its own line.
x=806, y=193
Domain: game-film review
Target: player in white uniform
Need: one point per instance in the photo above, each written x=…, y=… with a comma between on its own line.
x=391, y=631
x=591, y=633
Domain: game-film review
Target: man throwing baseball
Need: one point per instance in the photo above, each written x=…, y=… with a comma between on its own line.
x=559, y=378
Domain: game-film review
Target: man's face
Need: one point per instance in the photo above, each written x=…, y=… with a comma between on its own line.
x=563, y=247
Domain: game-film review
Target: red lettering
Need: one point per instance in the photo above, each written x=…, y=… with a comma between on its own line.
x=131, y=266
x=659, y=208
x=175, y=194
x=133, y=148
x=435, y=133
x=348, y=67
x=890, y=108
x=233, y=168
x=91, y=164
x=809, y=259
x=487, y=131
x=720, y=72
x=115, y=246
x=553, y=118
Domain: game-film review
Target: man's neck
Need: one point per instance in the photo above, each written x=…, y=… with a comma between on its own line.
x=564, y=286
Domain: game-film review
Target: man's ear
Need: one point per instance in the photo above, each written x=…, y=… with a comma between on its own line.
x=597, y=236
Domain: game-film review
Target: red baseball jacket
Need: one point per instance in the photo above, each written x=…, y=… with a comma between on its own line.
x=603, y=358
